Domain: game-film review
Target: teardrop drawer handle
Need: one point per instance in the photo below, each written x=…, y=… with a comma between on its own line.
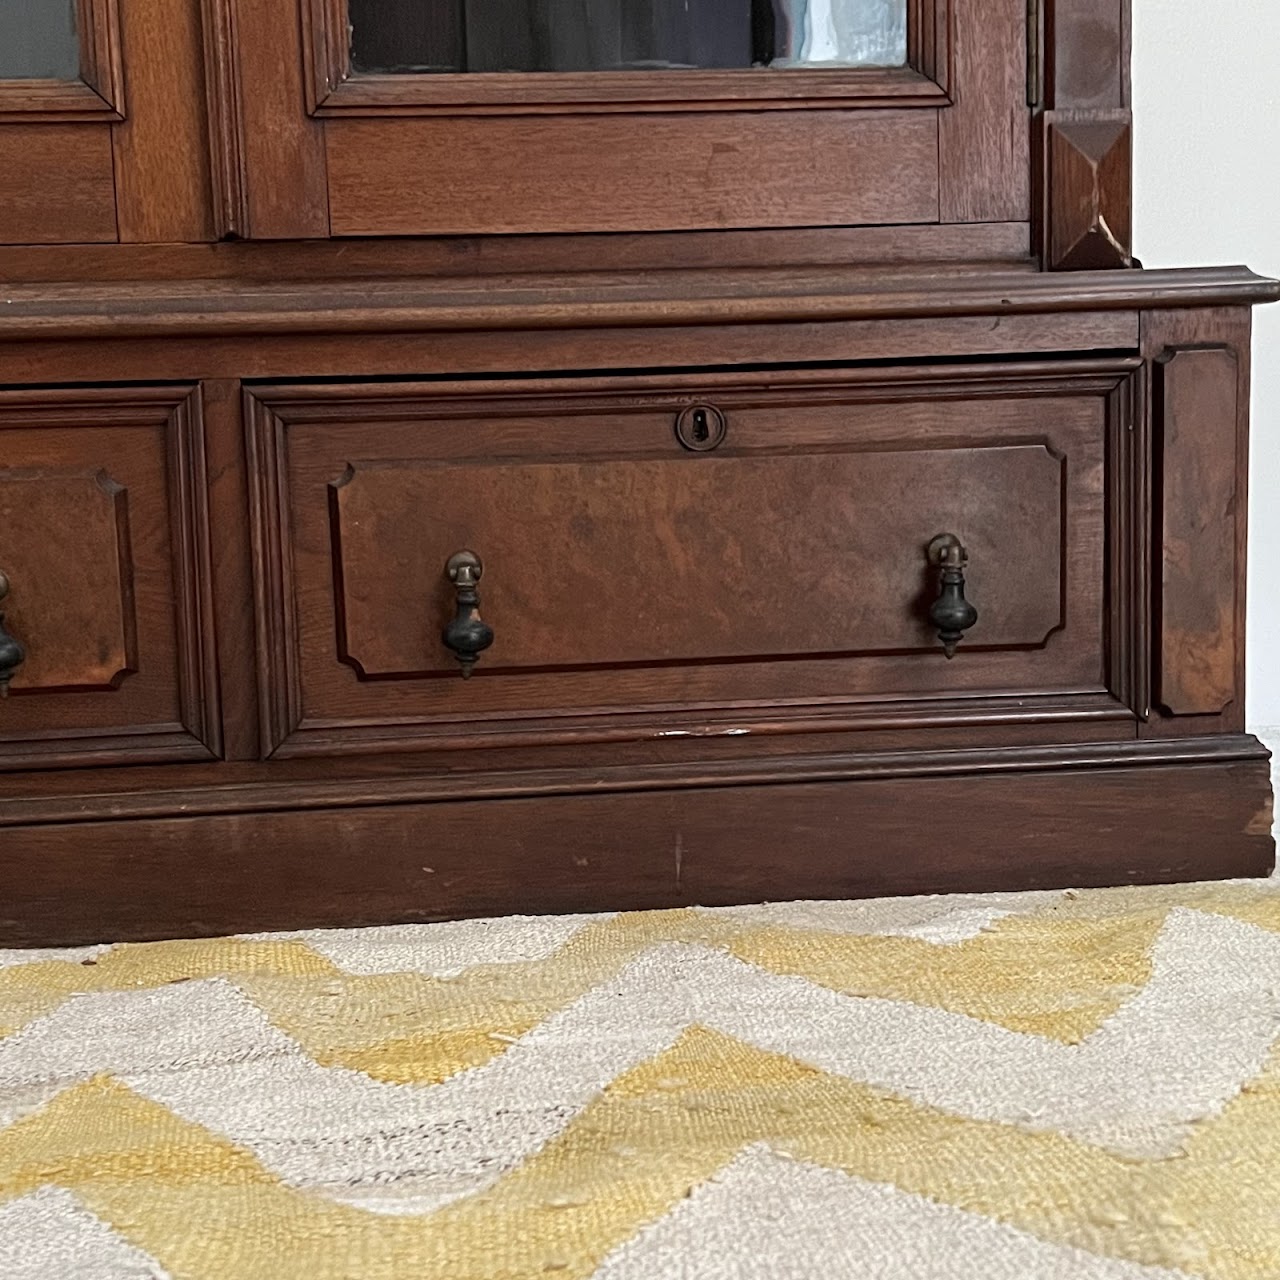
x=951, y=613
x=12, y=654
x=468, y=635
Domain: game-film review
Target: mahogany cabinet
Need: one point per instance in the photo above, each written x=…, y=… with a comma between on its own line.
x=519, y=455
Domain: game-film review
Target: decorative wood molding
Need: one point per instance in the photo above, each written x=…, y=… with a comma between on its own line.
x=265, y=795
x=332, y=89
x=1083, y=162
x=279, y=680
x=198, y=686
x=98, y=95
x=225, y=118
x=203, y=308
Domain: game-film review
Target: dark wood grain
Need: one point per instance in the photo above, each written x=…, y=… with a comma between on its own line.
x=129, y=880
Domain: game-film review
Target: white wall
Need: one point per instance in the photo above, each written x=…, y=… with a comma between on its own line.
x=1206, y=89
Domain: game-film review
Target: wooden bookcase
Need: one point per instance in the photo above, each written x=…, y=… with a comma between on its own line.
x=744, y=388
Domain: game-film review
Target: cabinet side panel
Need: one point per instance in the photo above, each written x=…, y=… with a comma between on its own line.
x=1200, y=434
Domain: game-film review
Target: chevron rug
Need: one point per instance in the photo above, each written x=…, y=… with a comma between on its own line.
x=1059, y=1085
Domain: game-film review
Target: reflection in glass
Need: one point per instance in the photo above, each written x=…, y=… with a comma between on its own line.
x=38, y=40
x=415, y=36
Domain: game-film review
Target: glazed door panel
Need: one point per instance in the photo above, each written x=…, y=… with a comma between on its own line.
x=655, y=117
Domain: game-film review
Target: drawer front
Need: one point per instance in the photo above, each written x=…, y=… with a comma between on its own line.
x=783, y=575
x=103, y=546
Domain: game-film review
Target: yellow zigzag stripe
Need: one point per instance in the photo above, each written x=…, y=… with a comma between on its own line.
x=204, y=1208
x=407, y=1028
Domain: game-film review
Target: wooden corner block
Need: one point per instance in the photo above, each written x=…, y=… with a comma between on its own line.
x=1087, y=194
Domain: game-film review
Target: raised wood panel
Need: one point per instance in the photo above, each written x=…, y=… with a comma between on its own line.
x=1197, y=412
x=611, y=173
x=66, y=546
x=56, y=183
x=1198, y=608
x=646, y=561
x=427, y=476
x=106, y=546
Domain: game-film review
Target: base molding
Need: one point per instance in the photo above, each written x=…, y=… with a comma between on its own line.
x=805, y=827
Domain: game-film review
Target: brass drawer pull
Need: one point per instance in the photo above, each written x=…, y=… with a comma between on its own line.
x=12, y=654
x=951, y=613
x=468, y=635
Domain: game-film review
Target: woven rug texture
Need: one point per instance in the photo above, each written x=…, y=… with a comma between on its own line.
x=1076, y=1086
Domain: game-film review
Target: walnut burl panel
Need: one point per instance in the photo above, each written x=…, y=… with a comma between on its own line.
x=694, y=558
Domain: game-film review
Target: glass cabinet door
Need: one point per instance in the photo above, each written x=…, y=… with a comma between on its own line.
x=515, y=117
x=61, y=94
x=39, y=40
x=451, y=36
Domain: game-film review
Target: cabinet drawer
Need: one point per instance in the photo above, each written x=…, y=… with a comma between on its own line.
x=104, y=548
x=779, y=576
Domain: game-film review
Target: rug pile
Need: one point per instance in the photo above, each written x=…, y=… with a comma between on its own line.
x=1076, y=1086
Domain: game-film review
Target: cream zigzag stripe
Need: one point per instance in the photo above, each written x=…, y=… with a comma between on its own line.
x=10, y=959
x=944, y=920
x=1212, y=1005
x=442, y=950
x=49, y=1234
x=766, y=1217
